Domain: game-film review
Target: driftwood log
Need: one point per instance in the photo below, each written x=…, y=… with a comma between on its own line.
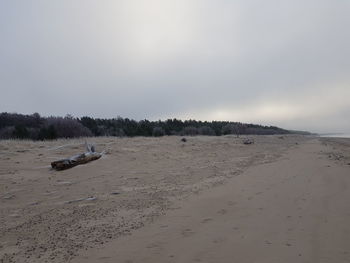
x=248, y=141
x=75, y=160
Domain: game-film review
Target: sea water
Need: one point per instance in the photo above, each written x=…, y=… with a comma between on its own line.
x=336, y=135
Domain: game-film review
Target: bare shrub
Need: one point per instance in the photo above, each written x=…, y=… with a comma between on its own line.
x=233, y=128
x=205, y=130
x=68, y=127
x=158, y=131
x=7, y=132
x=33, y=133
x=191, y=131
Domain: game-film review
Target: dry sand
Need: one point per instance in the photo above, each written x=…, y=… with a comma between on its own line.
x=210, y=199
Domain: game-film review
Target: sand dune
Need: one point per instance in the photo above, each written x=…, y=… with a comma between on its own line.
x=211, y=199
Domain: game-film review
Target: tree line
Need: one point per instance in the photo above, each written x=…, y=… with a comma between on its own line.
x=36, y=127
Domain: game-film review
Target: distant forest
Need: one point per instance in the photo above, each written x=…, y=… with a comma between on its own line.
x=36, y=127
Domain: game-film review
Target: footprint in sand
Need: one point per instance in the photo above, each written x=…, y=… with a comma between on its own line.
x=153, y=245
x=206, y=220
x=231, y=203
x=218, y=240
x=187, y=232
x=222, y=211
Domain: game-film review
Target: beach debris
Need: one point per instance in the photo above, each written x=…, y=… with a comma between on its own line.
x=49, y=193
x=75, y=201
x=91, y=198
x=14, y=215
x=248, y=141
x=115, y=193
x=64, y=183
x=184, y=140
x=75, y=160
x=336, y=156
x=9, y=196
x=89, y=147
x=22, y=151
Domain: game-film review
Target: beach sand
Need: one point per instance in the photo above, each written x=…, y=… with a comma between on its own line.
x=210, y=199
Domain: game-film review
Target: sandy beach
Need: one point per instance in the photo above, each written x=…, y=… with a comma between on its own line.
x=210, y=199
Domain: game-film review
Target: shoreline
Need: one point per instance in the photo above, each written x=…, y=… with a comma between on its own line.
x=335, y=135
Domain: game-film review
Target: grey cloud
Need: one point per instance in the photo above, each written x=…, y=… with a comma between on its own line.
x=158, y=59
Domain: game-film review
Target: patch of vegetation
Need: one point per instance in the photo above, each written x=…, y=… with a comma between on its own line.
x=35, y=127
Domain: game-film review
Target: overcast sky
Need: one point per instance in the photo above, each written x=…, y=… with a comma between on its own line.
x=277, y=62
